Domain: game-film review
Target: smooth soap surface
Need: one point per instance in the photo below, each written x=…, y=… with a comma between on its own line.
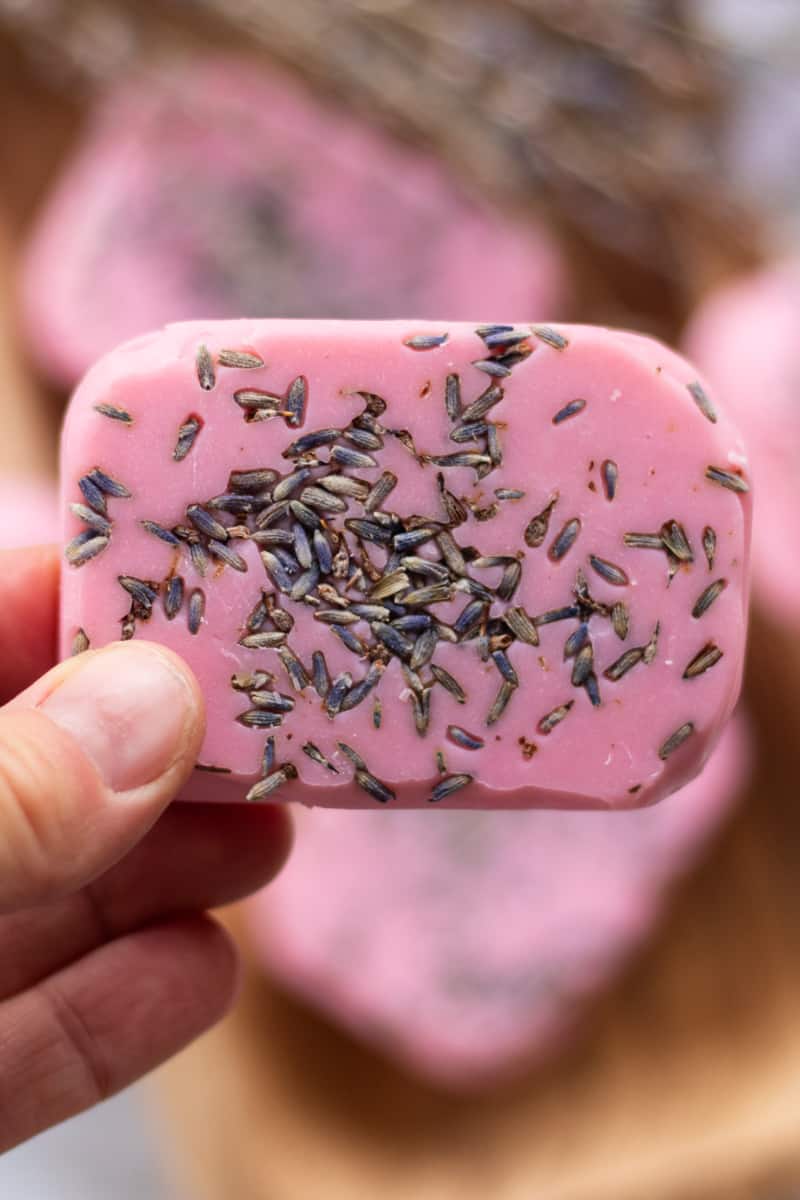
x=562, y=719
x=466, y=945
x=744, y=336
x=221, y=186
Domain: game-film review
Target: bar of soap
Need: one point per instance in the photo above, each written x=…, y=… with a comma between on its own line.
x=225, y=187
x=745, y=338
x=467, y=945
x=415, y=563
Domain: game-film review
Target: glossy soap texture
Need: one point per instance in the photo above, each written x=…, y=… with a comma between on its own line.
x=585, y=730
x=467, y=945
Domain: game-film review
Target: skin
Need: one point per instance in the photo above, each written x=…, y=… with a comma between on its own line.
x=109, y=963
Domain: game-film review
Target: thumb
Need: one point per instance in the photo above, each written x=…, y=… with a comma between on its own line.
x=89, y=757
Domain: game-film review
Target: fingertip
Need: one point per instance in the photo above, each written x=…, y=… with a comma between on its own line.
x=89, y=758
x=273, y=825
x=136, y=709
x=215, y=955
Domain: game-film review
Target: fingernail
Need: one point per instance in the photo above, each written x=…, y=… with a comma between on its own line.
x=130, y=708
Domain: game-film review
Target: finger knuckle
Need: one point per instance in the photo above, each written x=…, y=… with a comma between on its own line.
x=32, y=830
x=87, y=1066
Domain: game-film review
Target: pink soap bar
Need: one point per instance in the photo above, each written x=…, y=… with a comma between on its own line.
x=501, y=567
x=745, y=338
x=465, y=945
x=224, y=187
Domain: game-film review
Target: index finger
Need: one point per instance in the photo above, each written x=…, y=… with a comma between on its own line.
x=28, y=616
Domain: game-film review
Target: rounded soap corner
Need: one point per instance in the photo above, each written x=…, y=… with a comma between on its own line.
x=115, y=364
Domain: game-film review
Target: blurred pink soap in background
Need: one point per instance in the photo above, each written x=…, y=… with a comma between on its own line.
x=465, y=945
x=28, y=511
x=224, y=190
x=744, y=337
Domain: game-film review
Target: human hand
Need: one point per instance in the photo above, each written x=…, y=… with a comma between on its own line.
x=108, y=964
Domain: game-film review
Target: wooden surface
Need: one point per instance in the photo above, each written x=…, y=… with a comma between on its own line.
x=684, y=1083
x=36, y=131
x=29, y=432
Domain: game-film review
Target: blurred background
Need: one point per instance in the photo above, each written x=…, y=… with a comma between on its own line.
x=627, y=162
